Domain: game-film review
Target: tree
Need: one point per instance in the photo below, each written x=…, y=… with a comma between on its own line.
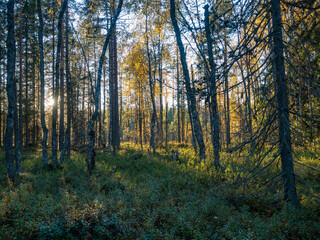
x=190, y=94
x=113, y=87
x=42, y=106
x=282, y=107
x=151, y=85
x=91, y=151
x=212, y=95
x=11, y=52
x=56, y=92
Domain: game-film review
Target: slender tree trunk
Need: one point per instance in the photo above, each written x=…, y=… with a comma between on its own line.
x=178, y=101
x=151, y=84
x=56, y=92
x=190, y=93
x=0, y=98
x=16, y=133
x=182, y=110
x=288, y=176
x=193, y=137
x=20, y=80
x=113, y=88
x=167, y=124
x=213, y=107
x=91, y=151
x=140, y=126
x=11, y=48
x=160, y=98
x=26, y=81
x=226, y=93
x=61, y=124
x=53, y=73
x=69, y=89
x=67, y=141
x=42, y=107
x=34, y=100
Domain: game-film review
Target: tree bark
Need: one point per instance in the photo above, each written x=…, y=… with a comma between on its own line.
x=11, y=48
x=190, y=93
x=288, y=176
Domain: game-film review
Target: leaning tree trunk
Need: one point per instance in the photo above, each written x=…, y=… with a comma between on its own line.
x=11, y=48
x=91, y=151
x=43, y=119
x=56, y=92
x=190, y=93
x=288, y=176
x=214, y=114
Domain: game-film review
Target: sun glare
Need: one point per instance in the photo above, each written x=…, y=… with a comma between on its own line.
x=49, y=102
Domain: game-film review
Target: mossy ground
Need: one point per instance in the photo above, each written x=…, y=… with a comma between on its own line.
x=138, y=195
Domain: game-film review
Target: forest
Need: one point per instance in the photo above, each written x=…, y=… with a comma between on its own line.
x=159, y=119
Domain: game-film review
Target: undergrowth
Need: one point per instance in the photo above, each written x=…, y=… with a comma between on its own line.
x=138, y=195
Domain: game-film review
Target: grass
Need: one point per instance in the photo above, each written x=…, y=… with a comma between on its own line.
x=137, y=195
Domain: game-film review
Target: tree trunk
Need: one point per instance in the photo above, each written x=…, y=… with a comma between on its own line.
x=56, y=92
x=67, y=142
x=42, y=107
x=226, y=93
x=11, y=48
x=0, y=98
x=16, y=133
x=69, y=90
x=190, y=93
x=288, y=176
x=53, y=74
x=151, y=84
x=113, y=88
x=166, y=124
x=160, y=98
x=91, y=151
x=61, y=89
x=193, y=137
x=213, y=104
x=178, y=101
x=20, y=80
x=26, y=81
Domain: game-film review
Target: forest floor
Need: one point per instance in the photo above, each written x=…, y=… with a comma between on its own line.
x=137, y=195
